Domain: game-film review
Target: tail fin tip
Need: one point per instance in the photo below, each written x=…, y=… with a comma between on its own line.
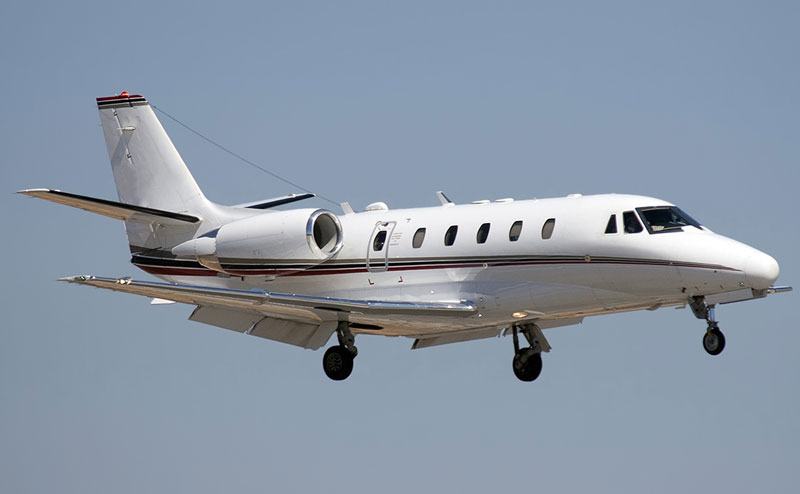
x=121, y=100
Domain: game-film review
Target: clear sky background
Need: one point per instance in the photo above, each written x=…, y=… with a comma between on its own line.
x=693, y=102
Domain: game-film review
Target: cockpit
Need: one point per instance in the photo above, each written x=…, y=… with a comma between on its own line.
x=666, y=219
x=656, y=219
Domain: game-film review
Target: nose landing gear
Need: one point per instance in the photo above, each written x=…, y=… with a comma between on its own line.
x=713, y=340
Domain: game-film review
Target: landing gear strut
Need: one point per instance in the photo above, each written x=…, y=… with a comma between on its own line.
x=713, y=340
x=338, y=360
x=527, y=363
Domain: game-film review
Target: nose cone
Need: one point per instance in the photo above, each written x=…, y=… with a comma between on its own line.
x=761, y=270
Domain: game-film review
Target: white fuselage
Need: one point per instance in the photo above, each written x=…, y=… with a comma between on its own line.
x=580, y=270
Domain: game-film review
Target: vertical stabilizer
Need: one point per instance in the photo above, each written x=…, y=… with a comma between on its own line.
x=147, y=168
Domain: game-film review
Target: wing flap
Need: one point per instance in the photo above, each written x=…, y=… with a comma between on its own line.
x=305, y=335
x=235, y=320
x=302, y=334
x=456, y=337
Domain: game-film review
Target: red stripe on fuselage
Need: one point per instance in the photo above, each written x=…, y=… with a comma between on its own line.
x=162, y=270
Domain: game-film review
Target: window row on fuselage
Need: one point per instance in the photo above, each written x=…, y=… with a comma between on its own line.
x=657, y=219
x=481, y=236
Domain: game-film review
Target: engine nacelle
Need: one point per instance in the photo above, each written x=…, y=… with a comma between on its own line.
x=274, y=243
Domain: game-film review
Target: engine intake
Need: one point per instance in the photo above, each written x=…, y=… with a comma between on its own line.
x=324, y=231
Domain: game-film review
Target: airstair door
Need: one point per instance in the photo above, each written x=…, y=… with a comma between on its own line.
x=378, y=248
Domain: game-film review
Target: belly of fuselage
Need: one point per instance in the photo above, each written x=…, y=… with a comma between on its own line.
x=579, y=286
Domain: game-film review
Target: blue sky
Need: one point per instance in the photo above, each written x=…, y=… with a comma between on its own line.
x=692, y=102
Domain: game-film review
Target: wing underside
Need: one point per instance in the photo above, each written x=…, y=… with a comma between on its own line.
x=302, y=320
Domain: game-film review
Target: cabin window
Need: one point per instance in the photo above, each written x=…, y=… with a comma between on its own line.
x=611, y=227
x=632, y=224
x=666, y=219
x=419, y=237
x=514, y=232
x=547, y=228
x=450, y=236
x=483, y=233
x=380, y=240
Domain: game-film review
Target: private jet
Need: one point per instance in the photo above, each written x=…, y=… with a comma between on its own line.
x=437, y=275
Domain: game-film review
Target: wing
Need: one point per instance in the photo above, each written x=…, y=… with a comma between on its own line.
x=301, y=320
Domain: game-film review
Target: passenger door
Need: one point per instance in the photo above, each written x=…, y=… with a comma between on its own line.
x=378, y=247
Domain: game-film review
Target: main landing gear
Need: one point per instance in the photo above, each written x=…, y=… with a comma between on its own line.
x=527, y=363
x=338, y=360
x=713, y=340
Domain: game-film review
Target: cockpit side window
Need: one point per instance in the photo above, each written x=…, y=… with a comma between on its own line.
x=666, y=219
x=611, y=227
x=631, y=222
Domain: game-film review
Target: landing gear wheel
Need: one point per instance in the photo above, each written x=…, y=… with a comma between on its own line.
x=527, y=364
x=714, y=341
x=337, y=363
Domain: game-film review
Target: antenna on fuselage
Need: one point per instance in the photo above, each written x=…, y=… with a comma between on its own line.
x=346, y=208
x=443, y=199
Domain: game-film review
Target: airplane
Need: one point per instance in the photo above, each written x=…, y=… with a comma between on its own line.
x=438, y=275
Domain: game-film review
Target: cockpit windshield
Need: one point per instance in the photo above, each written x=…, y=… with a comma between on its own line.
x=666, y=219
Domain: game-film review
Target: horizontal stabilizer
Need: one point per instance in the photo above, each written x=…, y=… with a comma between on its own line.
x=276, y=201
x=112, y=209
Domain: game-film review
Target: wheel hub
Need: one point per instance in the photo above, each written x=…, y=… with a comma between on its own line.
x=334, y=362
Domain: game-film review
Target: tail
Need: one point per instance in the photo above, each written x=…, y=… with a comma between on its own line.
x=148, y=170
x=159, y=201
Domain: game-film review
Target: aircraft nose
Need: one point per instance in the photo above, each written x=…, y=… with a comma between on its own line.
x=761, y=270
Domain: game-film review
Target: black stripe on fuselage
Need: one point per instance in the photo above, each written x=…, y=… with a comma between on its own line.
x=349, y=266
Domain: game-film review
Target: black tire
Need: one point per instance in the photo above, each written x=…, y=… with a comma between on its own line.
x=337, y=363
x=714, y=342
x=527, y=364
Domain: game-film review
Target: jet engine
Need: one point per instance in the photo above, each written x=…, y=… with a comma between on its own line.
x=274, y=243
